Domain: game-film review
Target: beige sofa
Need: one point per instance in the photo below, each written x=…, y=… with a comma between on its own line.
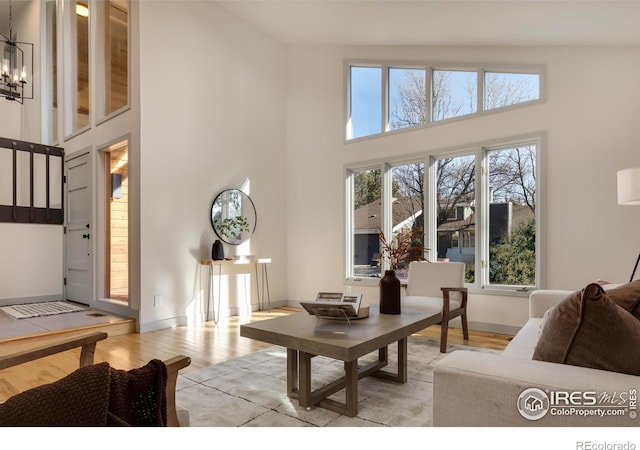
x=481, y=389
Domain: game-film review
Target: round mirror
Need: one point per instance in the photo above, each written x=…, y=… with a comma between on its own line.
x=233, y=216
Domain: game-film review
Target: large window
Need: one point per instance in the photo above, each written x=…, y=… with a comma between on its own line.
x=365, y=188
x=478, y=206
x=407, y=97
x=505, y=89
x=512, y=200
x=113, y=29
x=365, y=100
x=386, y=204
x=454, y=93
x=455, y=210
x=76, y=65
x=50, y=97
x=96, y=81
x=383, y=98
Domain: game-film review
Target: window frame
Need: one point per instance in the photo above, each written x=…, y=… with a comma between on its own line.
x=101, y=72
x=429, y=67
x=481, y=151
x=71, y=67
x=386, y=79
x=349, y=253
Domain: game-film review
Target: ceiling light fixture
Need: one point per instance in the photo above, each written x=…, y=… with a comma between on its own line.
x=82, y=10
x=13, y=68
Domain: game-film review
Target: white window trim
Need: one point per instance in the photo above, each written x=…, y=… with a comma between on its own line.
x=101, y=66
x=481, y=69
x=480, y=150
x=67, y=47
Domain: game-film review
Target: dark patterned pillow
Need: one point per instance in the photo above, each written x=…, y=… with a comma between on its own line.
x=588, y=329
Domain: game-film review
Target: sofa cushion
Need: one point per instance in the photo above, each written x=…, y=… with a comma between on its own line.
x=627, y=296
x=588, y=329
x=524, y=342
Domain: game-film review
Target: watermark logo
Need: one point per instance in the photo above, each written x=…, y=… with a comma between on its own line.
x=534, y=403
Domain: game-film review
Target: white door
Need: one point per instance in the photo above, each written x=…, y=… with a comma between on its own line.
x=79, y=229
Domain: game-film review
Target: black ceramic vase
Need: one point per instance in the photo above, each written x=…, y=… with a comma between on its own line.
x=389, y=293
x=217, y=251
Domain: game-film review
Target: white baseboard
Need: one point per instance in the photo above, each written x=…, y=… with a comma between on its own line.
x=184, y=320
x=161, y=324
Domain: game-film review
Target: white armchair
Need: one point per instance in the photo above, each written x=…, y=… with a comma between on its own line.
x=438, y=285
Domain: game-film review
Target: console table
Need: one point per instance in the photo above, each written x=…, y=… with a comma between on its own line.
x=263, y=280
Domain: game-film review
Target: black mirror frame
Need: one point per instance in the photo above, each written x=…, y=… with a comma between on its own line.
x=217, y=231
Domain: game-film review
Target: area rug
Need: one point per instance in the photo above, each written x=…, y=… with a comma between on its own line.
x=251, y=391
x=30, y=310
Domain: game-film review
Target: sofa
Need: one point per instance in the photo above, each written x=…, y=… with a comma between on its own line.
x=506, y=389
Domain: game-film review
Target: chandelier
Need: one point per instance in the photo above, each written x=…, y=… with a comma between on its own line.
x=13, y=68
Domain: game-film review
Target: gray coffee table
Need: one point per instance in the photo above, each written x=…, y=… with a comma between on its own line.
x=298, y=333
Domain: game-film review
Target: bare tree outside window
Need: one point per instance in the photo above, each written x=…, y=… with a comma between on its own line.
x=456, y=224
x=513, y=176
x=407, y=212
x=504, y=89
x=511, y=179
x=453, y=94
x=407, y=98
x=512, y=234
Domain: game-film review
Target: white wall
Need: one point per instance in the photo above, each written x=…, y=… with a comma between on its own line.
x=212, y=117
x=591, y=121
x=31, y=262
x=31, y=255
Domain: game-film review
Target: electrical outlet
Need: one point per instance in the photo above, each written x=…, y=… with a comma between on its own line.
x=157, y=300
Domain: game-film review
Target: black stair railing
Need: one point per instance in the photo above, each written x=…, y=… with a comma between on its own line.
x=21, y=213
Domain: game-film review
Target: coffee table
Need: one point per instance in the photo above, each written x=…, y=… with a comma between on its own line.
x=299, y=334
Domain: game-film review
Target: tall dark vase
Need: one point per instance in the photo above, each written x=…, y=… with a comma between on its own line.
x=217, y=251
x=389, y=293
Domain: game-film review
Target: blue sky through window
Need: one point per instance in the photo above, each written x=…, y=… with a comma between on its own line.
x=366, y=101
x=452, y=93
x=455, y=93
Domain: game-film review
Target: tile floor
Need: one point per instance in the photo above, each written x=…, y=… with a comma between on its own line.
x=11, y=328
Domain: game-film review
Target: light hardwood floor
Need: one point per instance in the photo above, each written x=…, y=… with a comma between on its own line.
x=207, y=343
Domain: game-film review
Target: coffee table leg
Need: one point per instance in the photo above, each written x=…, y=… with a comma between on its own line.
x=401, y=375
x=292, y=372
x=304, y=393
x=351, y=388
x=402, y=360
x=383, y=354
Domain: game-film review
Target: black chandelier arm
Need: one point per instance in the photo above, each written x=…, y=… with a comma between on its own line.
x=14, y=75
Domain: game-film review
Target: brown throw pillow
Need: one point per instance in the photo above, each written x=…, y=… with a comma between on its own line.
x=588, y=329
x=627, y=297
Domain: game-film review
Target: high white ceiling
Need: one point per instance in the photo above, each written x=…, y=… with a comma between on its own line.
x=451, y=22
x=17, y=6
x=427, y=22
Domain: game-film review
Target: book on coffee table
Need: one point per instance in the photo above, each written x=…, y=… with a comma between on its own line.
x=334, y=305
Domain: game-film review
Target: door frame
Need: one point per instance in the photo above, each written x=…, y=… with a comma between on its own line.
x=91, y=186
x=100, y=191
x=102, y=221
